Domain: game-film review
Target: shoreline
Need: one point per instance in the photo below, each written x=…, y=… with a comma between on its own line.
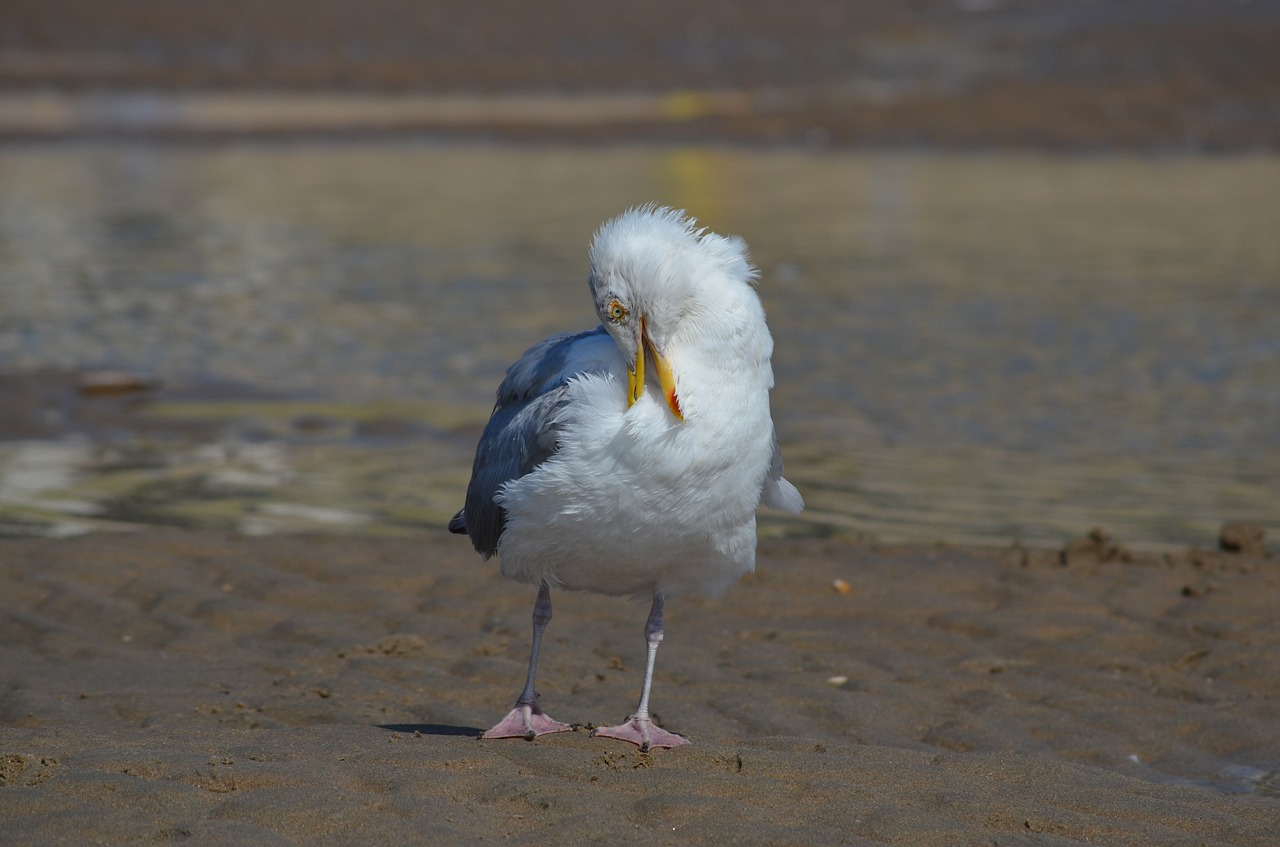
x=815, y=119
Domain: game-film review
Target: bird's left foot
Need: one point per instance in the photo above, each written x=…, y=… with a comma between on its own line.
x=642, y=732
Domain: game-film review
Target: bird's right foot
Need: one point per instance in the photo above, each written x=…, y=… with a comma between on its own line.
x=525, y=721
x=642, y=732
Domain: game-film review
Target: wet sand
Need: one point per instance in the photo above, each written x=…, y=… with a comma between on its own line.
x=208, y=688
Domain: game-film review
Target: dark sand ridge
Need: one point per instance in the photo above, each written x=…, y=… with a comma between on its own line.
x=214, y=689
x=1185, y=74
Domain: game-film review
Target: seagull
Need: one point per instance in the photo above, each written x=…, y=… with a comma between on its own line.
x=630, y=459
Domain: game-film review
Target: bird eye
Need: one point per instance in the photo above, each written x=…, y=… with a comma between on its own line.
x=617, y=311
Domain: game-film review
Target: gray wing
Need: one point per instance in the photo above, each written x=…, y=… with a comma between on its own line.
x=778, y=493
x=521, y=433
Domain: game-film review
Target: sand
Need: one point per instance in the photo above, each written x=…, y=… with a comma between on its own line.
x=162, y=687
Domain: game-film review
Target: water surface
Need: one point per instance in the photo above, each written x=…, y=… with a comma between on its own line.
x=967, y=346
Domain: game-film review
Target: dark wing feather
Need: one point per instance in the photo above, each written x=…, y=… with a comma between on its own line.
x=521, y=433
x=777, y=493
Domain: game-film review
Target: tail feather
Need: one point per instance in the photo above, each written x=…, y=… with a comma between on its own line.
x=782, y=495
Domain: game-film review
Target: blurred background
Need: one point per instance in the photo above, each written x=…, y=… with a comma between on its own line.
x=262, y=265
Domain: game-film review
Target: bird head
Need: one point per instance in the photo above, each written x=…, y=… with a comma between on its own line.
x=654, y=274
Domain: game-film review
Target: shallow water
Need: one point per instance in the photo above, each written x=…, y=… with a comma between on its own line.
x=967, y=346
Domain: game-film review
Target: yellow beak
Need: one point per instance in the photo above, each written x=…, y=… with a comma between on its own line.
x=635, y=377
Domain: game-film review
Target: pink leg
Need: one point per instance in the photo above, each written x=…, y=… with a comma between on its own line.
x=527, y=719
x=639, y=728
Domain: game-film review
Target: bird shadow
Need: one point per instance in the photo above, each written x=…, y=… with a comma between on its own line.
x=431, y=729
